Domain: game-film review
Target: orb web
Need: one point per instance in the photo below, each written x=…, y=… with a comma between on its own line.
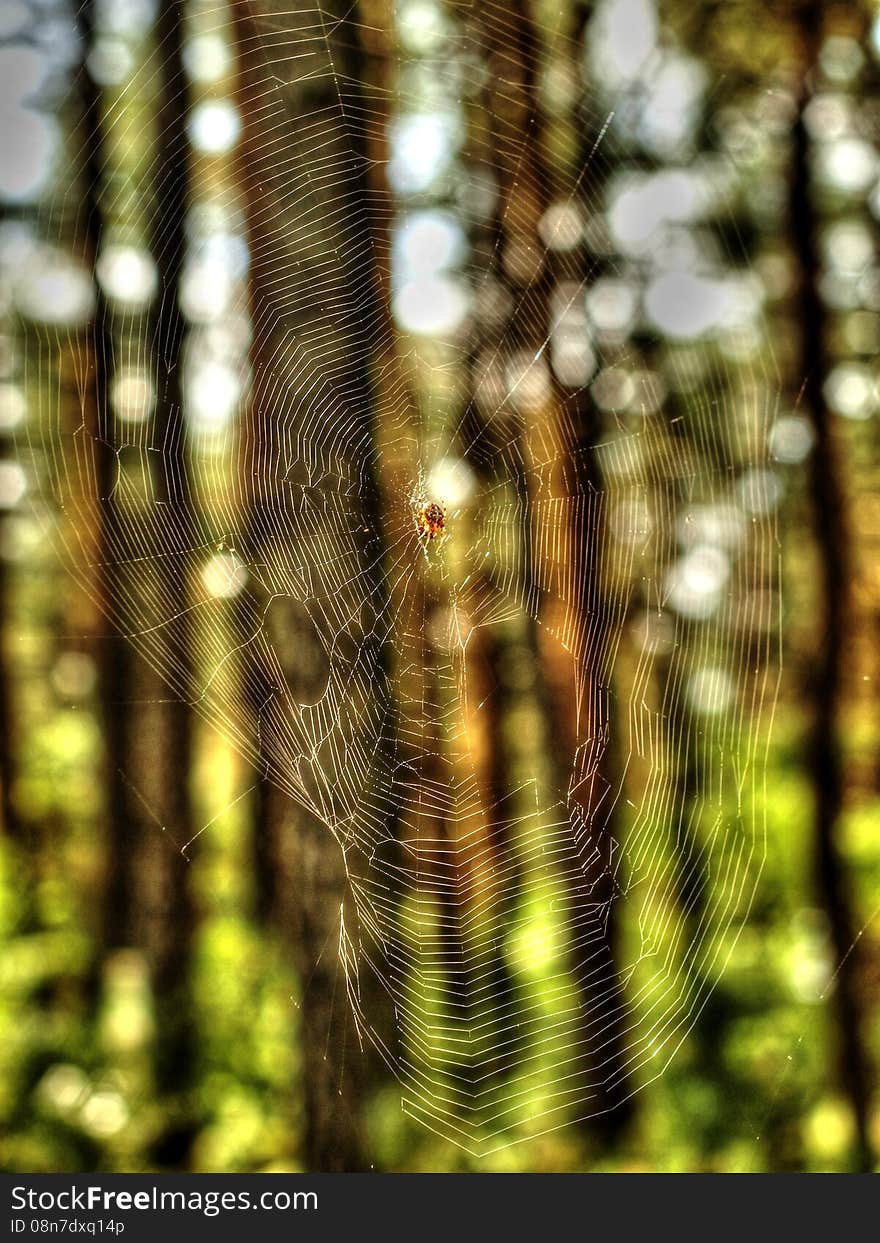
x=428, y=269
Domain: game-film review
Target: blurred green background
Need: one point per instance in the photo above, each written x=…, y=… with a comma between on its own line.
x=171, y=991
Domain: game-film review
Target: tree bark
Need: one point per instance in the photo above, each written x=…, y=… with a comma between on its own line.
x=147, y=730
x=526, y=182
x=301, y=870
x=834, y=554
x=173, y=950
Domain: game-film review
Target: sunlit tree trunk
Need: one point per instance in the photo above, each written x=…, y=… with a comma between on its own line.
x=527, y=184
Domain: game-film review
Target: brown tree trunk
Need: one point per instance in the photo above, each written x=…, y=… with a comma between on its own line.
x=526, y=182
x=173, y=950
x=301, y=872
x=834, y=552
x=147, y=730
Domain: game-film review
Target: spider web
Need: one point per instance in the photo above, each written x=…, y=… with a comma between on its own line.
x=555, y=711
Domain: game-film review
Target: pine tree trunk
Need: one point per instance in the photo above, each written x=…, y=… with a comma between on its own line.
x=834, y=552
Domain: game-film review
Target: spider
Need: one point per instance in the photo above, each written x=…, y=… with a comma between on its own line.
x=431, y=520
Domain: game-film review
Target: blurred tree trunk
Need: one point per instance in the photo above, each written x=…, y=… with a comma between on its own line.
x=589, y=540
x=7, y=717
x=147, y=730
x=9, y=819
x=173, y=953
x=301, y=874
x=834, y=548
x=535, y=275
x=115, y=656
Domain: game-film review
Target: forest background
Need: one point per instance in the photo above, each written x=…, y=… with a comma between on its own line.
x=173, y=996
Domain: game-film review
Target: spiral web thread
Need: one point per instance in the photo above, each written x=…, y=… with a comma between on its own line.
x=489, y=853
